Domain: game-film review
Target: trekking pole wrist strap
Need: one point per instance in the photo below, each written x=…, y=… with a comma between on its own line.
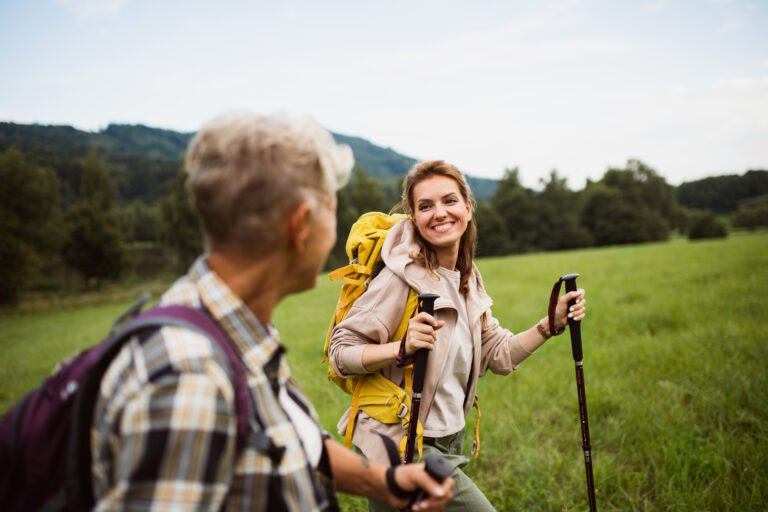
x=394, y=487
x=551, y=311
x=403, y=358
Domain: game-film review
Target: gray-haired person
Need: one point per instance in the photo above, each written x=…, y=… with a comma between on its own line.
x=165, y=428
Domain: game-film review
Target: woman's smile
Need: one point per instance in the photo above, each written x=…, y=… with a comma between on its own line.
x=443, y=227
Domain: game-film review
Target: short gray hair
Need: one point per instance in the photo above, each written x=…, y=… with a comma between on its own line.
x=247, y=171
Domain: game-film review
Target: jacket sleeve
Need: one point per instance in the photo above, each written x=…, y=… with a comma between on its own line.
x=501, y=350
x=373, y=318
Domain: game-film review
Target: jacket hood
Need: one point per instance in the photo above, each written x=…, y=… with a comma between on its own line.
x=398, y=246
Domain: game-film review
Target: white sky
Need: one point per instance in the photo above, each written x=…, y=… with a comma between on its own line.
x=576, y=86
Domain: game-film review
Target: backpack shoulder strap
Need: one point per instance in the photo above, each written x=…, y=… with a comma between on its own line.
x=79, y=489
x=201, y=321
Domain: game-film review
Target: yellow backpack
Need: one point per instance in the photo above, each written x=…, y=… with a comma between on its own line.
x=373, y=393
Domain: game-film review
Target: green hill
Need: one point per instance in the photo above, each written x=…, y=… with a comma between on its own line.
x=140, y=153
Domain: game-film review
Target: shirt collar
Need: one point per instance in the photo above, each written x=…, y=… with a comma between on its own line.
x=258, y=344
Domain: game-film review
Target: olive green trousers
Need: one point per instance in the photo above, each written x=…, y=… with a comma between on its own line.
x=466, y=495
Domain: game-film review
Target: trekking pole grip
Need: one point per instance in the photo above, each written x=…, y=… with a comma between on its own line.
x=575, y=325
x=427, y=305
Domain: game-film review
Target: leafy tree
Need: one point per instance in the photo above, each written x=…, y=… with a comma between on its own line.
x=139, y=222
x=516, y=206
x=181, y=227
x=559, y=211
x=29, y=199
x=752, y=213
x=630, y=205
x=612, y=220
x=366, y=194
x=16, y=266
x=492, y=236
x=93, y=244
x=346, y=215
x=96, y=187
x=641, y=186
x=141, y=179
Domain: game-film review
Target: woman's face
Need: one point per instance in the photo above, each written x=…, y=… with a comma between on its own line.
x=441, y=215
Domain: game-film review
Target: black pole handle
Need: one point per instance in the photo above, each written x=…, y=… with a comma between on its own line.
x=426, y=305
x=575, y=325
x=438, y=468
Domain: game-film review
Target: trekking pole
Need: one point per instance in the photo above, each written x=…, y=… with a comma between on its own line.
x=426, y=304
x=578, y=358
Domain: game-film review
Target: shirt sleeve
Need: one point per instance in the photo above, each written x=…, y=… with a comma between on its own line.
x=173, y=445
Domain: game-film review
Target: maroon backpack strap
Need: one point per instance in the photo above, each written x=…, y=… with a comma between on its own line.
x=201, y=321
x=78, y=494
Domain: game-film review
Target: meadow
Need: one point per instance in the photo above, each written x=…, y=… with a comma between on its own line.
x=675, y=357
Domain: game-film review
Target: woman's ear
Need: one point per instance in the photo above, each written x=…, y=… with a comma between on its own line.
x=298, y=226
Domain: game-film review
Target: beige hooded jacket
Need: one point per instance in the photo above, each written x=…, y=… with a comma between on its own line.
x=377, y=313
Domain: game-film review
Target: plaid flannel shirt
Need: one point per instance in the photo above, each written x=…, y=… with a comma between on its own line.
x=165, y=424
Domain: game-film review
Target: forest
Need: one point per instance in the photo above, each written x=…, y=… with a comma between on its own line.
x=80, y=208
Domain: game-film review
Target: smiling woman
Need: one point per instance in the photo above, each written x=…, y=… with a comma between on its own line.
x=432, y=251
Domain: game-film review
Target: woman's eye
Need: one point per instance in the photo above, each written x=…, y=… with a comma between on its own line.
x=424, y=207
x=451, y=201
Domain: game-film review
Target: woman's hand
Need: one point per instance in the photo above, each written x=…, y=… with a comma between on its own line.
x=421, y=332
x=578, y=311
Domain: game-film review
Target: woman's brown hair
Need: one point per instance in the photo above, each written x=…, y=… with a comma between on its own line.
x=427, y=255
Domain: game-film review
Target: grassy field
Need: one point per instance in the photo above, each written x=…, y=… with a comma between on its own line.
x=675, y=366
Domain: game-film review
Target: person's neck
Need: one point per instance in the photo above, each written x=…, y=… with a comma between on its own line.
x=256, y=282
x=447, y=258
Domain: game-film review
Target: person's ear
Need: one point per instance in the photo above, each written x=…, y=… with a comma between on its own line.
x=298, y=226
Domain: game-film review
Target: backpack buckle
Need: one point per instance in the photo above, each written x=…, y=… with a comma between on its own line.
x=403, y=412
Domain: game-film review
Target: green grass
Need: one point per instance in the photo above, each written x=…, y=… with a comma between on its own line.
x=675, y=365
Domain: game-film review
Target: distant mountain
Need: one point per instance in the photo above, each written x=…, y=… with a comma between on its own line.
x=117, y=140
x=125, y=145
x=382, y=163
x=388, y=164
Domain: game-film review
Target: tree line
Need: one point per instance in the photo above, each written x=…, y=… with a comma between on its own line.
x=86, y=214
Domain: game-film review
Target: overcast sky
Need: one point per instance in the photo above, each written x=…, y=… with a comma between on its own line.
x=576, y=86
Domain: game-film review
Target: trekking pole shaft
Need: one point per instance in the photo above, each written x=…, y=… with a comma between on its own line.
x=426, y=304
x=578, y=358
x=585, y=442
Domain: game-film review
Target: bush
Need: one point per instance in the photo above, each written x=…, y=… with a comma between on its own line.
x=706, y=225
